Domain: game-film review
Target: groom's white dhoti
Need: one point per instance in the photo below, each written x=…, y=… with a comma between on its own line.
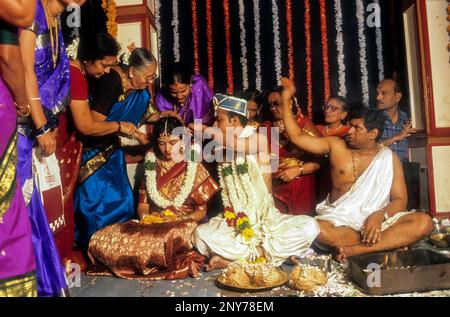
x=279, y=235
x=370, y=193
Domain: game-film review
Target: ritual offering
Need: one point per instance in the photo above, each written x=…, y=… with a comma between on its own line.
x=251, y=276
x=307, y=278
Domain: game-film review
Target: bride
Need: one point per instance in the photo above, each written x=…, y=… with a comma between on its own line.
x=172, y=202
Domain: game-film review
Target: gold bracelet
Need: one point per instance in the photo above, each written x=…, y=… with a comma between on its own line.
x=34, y=99
x=19, y=110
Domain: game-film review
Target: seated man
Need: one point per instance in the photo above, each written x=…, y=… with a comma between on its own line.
x=251, y=226
x=364, y=211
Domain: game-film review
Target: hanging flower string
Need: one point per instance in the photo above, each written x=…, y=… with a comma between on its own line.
x=362, y=51
x=176, y=32
x=159, y=31
x=325, y=61
x=308, y=58
x=276, y=39
x=229, y=58
x=209, y=39
x=256, y=14
x=195, y=35
x=243, y=37
x=290, y=39
x=109, y=6
x=340, y=48
x=379, y=42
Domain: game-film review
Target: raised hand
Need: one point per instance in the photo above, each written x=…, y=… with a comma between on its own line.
x=289, y=89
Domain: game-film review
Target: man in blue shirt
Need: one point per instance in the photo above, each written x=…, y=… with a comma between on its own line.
x=397, y=127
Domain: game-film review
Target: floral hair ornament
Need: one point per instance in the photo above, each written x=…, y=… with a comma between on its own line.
x=126, y=56
x=72, y=49
x=165, y=136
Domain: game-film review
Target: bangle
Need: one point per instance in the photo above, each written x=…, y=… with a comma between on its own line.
x=43, y=130
x=302, y=170
x=19, y=110
x=34, y=99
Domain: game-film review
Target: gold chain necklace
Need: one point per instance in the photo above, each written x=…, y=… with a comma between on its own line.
x=52, y=24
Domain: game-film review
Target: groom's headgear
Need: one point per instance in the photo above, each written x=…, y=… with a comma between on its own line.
x=231, y=104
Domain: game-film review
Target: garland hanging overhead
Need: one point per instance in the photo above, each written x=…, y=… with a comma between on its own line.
x=109, y=6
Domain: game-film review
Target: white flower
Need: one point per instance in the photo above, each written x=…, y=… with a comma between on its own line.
x=183, y=194
x=276, y=39
x=379, y=42
x=362, y=51
x=176, y=34
x=244, y=61
x=256, y=14
x=340, y=47
x=72, y=49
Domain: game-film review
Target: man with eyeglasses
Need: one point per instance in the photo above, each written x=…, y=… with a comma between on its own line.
x=398, y=127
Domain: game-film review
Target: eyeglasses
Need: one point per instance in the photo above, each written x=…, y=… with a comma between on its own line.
x=330, y=107
x=148, y=78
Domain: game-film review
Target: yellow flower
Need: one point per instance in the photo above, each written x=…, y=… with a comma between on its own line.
x=151, y=219
x=247, y=233
x=259, y=260
x=168, y=213
x=241, y=221
x=229, y=215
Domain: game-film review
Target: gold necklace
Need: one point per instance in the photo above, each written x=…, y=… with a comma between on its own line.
x=52, y=24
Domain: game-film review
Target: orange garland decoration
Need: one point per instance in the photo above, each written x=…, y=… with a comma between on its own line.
x=308, y=57
x=195, y=35
x=209, y=38
x=326, y=65
x=290, y=39
x=109, y=6
x=229, y=58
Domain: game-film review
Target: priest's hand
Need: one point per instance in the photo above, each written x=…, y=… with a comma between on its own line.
x=289, y=174
x=289, y=89
x=371, y=230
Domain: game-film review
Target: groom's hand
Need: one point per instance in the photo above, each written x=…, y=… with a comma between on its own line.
x=371, y=230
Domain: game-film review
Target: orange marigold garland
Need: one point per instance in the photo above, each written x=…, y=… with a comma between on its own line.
x=195, y=35
x=308, y=57
x=326, y=65
x=290, y=39
x=229, y=58
x=109, y=6
x=209, y=39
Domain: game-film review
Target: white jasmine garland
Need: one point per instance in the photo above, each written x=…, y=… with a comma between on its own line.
x=176, y=34
x=362, y=51
x=256, y=14
x=185, y=190
x=243, y=35
x=276, y=39
x=340, y=48
x=159, y=31
x=224, y=192
x=72, y=49
x=379, y=41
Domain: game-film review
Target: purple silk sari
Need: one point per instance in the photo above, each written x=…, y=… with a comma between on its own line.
x=54, y=85
x=198, y=105
x=16, y=249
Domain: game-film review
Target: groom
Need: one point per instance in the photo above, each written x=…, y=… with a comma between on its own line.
x=364, y=211
x=251, y=227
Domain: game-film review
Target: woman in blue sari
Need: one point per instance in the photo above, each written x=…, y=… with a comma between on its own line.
x=47, y=79
x=104, y=196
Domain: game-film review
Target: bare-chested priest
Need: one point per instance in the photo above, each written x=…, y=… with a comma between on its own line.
x=365, y=211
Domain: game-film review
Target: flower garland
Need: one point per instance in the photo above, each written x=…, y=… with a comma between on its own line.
x=195, y=35
x=209, y=39
x=229, y=58
x=185, y=190
x=340, y=48
x=231, y=177
x=326, y=65
x=176, y=33
x=126, y=56
x=256, y=17
x=290, y=39
x=379, y=42
x=362, y=51
x=243, y=35
x=109, y=6
x=308, y=57
x=72, y=49
x=276, y=39
x=159, y=31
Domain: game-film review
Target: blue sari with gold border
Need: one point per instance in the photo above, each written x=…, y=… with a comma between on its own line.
x=104, y=195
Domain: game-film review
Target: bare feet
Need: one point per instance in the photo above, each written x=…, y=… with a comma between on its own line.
x=215, y=263
x=293, y=259
x=343, y=253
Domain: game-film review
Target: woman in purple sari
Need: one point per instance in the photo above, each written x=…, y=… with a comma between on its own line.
x=185, y=95
x=47, y=78
x=17, y=263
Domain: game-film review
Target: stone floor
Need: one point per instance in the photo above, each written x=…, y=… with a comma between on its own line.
x=205, y=286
